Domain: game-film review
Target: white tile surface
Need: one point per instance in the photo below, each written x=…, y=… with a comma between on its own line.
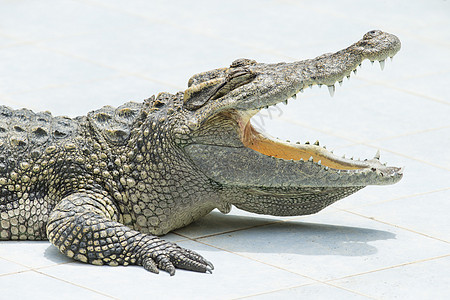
x=34, y=285
x=71, y=57
x=8, y=267
x=330, y=246
x=426, y=214
x=423, y=280
x=32, y=254
x=311, y=291
x=230, y=279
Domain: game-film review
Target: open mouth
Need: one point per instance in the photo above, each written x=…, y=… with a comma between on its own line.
x=253, y=158
x=285, y=150
x=267, y=145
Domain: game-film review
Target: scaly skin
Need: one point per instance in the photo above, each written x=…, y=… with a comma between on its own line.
x=100, y=187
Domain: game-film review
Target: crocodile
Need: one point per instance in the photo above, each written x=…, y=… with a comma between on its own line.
x=103, y=187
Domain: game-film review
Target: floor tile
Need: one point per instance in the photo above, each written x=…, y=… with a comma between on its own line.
x=422, y=280
x=8, y=267
x=229, y=279
x=5, y=41
x=33, y=285
x=427, y=214
x=40, y=68
x=310, y=291
x=32, y=254
x=434, y=85
x=75, y=56
x=79, y=98
x=347, y=243
x=430, y=146
x=52, y=20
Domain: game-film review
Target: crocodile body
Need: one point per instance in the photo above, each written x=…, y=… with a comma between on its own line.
x=102, y=187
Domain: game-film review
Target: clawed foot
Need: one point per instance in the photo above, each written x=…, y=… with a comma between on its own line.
x=168, y=256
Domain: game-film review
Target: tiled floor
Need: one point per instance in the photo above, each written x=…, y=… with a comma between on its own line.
x=387, y=242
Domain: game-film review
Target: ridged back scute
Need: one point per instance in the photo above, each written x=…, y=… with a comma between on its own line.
x=23, y=130
x=115, y=124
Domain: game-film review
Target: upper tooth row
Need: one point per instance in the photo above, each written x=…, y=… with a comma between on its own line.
x=332, y=88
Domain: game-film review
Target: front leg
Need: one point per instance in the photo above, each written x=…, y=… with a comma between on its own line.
x=85, y=226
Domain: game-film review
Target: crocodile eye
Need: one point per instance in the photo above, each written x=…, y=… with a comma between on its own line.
x=372, y=34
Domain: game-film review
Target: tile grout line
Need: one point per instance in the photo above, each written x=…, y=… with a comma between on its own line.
x=14, y=273
x=397, y=198
x=407, y=156
x=280, y=268
x=391, y=267
x=394, y=225
x=394, y=87
x=273, y=222
x=301, y=286
x=74, y=284
x=399, y=135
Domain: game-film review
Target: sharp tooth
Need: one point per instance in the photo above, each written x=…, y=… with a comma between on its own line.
x=343, y=156
x=400, y=172
x=288, y=141
x=348, y=76
x=340, y=83
x=382, y=64
x=331, y=89
x=392, y=58
x=320, y=85
x=355, y=71
x=285, y=102
x=267, y=106
x=307, y=143
x=310, y=159
x=326, y=168
x=310, y=86
x=301, y=90
x=360, y=65
x=316, y=143
x=294, y=96
x=372, y=62
x=319, y=162
x=377, y=155
x=324, y=147
x=297, y=142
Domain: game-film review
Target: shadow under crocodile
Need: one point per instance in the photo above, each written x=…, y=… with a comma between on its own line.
x=259, y=234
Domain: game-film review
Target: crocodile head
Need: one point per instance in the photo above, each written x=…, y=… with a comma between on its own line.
x=265, y=175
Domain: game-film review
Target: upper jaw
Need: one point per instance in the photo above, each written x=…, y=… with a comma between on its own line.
x=274, y=83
